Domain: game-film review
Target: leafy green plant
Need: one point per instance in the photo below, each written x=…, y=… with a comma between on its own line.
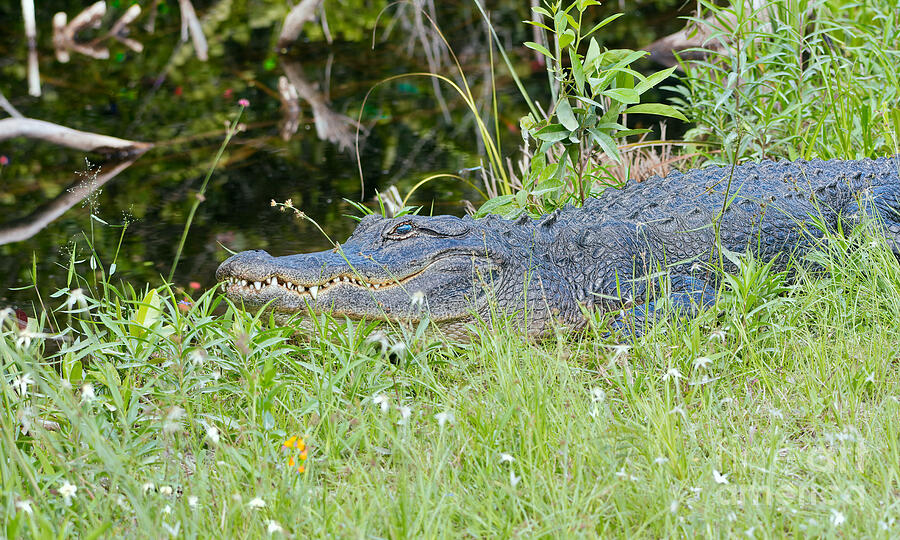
x=593, y=89
x=795, y=79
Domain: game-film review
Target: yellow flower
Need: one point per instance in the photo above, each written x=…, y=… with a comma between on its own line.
x=297, y=444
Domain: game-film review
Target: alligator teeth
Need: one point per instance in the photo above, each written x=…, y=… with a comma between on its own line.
x=376, y=285
x=243, y=283
x=274, y=280
x=314, y=291
x=257, y=285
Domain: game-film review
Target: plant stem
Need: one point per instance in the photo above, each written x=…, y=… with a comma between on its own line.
x=199, y=197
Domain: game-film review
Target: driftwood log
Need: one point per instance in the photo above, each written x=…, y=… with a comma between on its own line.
x=71, y=138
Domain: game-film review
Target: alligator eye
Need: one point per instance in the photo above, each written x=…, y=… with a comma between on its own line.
x=403, y=228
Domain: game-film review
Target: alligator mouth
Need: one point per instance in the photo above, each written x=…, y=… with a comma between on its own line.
x=246, y=288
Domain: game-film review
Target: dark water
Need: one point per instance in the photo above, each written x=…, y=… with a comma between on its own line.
x=167, y=96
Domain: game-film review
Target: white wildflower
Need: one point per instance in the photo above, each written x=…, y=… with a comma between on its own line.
x=67, y=491
x=417, y=299
x=193, y=501
x=731, y=516
x=173, y=531
x=172, y=423
x=21, y=384
x=165, y=490
x=148, y=487
x=776, y=413
x=382, y=401
x=870, y=378
x=378, y=337
x=212, y=433
x=405, y=413
x=673, y=506
x=197, y=357
x=24, y=506
x=597, y=395
x=513, y=479
x=256, y=503
x=750, y=532
x=702, y=361
x=673, y=373
x=620, y=350
x=720, y=478
x=76, y=296
x=273, y=527
x=886, y=524
x=661, y=460
x=397, y=349
x=167, y=509
x=5, y=313
x=718, y=335
x=837, y=518
x=506, y=458
x=678, y=409
x=443, y=418
x=87, y=392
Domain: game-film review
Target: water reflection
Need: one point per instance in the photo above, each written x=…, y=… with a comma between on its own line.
x=300, y=149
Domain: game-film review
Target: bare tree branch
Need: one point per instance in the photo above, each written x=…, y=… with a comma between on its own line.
x=34, y=76
x=64, y=34
x=293, y=23
x=191, y=24
x=72, y=138
x=8, y=107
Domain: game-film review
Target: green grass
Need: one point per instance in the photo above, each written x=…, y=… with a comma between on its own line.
x=794, y=412
x=774, y=412
x=818, y=79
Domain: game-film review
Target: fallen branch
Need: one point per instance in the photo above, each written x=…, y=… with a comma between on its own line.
x=72, y=138
x=24, y=228
x=700, y=38
x=8, y=107
x=34, y=76
x=190, y=24
x=294, y=21
x=65, y=33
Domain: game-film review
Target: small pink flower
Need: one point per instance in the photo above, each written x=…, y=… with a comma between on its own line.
x=4, y=160
x=243, y=102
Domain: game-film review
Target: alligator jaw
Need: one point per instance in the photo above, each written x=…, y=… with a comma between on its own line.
x=243, y=288
x=355, y=285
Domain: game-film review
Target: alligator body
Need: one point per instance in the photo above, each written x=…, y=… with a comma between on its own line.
x=611, y=254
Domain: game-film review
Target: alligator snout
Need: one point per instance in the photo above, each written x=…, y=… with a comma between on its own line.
x=243, y=264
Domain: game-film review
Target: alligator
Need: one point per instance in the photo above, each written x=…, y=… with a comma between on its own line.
x=630, y=251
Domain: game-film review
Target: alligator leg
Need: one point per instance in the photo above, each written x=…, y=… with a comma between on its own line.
x=686, y=295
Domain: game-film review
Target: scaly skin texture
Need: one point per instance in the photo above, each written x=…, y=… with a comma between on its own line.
x=612, y=254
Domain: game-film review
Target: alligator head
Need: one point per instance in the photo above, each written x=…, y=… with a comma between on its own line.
x=405, y=269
